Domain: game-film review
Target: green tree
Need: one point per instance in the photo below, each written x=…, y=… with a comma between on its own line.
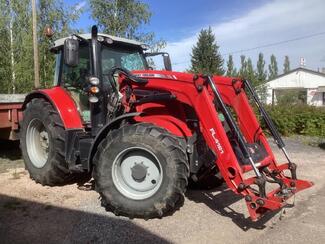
x=22, y=49
x=273, y=68
x=124, y=18
x=261, y=73
x=286, y=65
x=5, y=54
x=261, y=77
x=231, y=70
x=250, y=71
x=16, y=52
x=205, y=55
x=243, y=67
x=121, y=17
x=60, y=18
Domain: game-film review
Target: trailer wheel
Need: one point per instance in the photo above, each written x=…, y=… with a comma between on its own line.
x=42, y=144
x=141, y=171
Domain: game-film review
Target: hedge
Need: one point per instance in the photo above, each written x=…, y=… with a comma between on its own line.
x=298, y=119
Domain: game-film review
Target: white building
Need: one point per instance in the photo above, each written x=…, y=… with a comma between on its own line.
x=309, y=84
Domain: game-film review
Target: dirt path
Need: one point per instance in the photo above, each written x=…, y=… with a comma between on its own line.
x=30, y=213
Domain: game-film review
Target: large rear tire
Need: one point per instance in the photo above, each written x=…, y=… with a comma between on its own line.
x=141, y=171
x=42, y=144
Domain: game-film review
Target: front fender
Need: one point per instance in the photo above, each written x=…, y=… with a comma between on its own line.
x=62, y=102
x=104, y=131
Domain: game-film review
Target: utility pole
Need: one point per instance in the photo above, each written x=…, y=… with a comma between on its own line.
x=35, y=45
x=13, y=74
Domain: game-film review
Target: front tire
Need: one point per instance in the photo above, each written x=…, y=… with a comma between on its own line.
x=141, y=171
x=42, y=144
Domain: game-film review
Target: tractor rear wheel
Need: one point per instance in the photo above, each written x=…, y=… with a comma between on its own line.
x=42, y=144
x=141, y=171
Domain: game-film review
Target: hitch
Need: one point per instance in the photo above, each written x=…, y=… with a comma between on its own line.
x=258, y=203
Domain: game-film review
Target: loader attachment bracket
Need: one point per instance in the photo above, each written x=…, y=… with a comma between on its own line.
x=258, y=203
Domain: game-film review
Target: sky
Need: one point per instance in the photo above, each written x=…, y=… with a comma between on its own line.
x=239, y=25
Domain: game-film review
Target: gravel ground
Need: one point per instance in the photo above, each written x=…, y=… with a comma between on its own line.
x=30, y=213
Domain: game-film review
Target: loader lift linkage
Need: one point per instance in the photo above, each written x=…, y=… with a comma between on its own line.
x=259, y=202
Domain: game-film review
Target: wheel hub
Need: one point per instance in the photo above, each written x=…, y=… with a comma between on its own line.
x=137, y=173
x=37, y=142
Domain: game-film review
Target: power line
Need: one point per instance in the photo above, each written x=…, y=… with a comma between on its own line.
x=267, y=45
x=275, y=43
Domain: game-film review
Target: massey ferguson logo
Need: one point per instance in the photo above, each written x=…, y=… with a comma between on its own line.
x=213, y=134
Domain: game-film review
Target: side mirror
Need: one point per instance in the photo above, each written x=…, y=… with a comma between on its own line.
x=167, y=62
x=71, y=52
x=166, y=58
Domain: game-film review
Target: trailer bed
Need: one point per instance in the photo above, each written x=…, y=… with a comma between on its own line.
x=10, y=115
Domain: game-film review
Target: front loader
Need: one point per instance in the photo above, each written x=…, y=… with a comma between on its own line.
x=143, y=134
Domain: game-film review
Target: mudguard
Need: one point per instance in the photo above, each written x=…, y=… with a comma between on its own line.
x=104, y=131
x=62, y=102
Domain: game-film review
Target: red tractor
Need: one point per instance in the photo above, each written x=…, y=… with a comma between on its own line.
x=144, y=135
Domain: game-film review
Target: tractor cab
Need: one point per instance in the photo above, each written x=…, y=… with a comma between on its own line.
x=78, y=63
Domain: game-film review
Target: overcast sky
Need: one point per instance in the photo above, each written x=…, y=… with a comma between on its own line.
x=240, y=25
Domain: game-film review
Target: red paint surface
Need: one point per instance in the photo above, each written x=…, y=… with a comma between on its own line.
x=64, y=104
x=171, y=116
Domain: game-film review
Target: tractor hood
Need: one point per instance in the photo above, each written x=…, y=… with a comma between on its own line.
x=163, y=74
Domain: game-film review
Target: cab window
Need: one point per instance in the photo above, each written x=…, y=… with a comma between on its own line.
x=130, y=59
x=74, y=79
x=76, y=76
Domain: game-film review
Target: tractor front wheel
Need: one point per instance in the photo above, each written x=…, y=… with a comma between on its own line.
x=141, y=171
x=42, y=144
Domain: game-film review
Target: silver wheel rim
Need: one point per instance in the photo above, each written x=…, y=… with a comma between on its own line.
x=137, y=173
x=37, y=143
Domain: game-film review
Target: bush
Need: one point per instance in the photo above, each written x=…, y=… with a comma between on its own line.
x=298, y=119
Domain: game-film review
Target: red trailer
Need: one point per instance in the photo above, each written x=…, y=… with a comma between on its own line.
x=10, y=115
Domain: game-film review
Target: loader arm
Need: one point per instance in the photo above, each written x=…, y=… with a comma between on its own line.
x=199, y=93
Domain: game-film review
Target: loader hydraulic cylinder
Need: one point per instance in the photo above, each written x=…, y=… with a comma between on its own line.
x=275, y=133
x=233, y=126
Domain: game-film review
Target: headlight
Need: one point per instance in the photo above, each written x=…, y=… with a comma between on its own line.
x=94, y=81
x=93, y=99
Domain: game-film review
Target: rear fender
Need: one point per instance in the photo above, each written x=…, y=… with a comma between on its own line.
x=62, y=102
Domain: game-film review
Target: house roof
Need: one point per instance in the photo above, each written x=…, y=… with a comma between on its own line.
x=299, y=69
x=60, y=42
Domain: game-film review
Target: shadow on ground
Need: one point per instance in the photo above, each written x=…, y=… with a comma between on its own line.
x=10, y=150
x=10, y=155
x=220, y=200
x=23, y=221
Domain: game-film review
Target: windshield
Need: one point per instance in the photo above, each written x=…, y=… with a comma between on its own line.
x=130, y=59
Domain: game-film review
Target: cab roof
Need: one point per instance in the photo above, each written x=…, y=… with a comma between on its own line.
x=60, y=42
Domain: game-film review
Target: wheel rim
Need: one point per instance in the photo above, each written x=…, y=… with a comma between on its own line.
x=137, y=173
x=37, y=143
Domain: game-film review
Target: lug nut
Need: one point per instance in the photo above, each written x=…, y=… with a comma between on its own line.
x=241, y=187
x=253, y=205
x=248, y=198
x=260, y=202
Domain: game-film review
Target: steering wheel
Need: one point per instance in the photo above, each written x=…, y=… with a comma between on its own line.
x=127, y=73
